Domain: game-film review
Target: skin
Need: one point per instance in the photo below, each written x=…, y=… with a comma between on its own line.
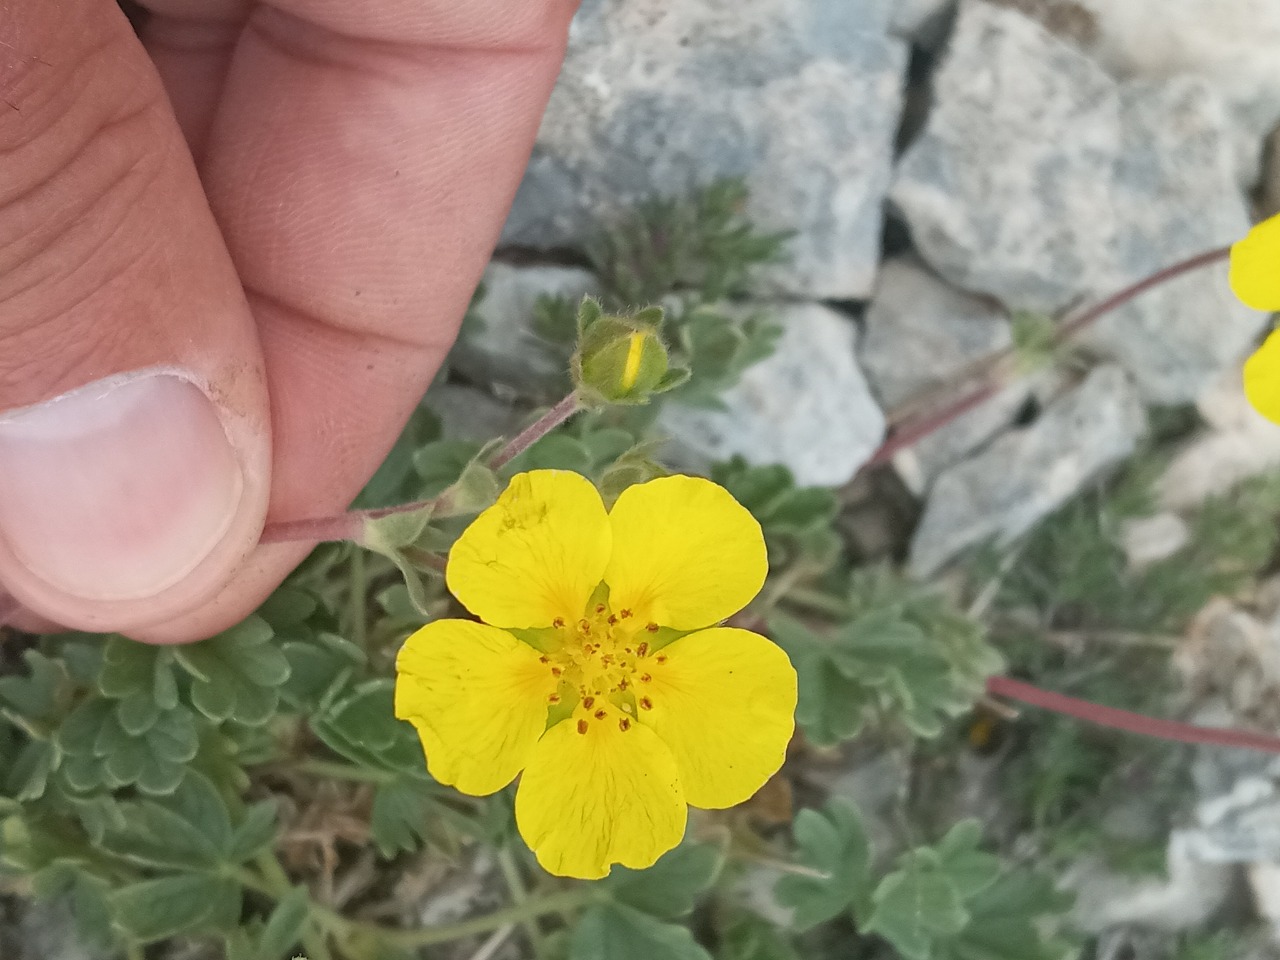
x=358, y=160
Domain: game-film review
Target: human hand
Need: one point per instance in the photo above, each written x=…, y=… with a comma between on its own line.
x=171, y=377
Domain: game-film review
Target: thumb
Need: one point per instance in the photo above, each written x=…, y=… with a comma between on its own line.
x=134, y=443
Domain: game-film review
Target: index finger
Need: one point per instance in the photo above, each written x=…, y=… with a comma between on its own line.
x=361, y=163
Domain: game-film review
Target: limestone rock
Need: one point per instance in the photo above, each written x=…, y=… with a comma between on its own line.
x=1028, y=473
x=800, y=97
x=807, y=406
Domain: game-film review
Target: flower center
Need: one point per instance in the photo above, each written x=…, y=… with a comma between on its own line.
x=604, y=667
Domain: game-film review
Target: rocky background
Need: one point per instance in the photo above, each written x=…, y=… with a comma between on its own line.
x=945, y=168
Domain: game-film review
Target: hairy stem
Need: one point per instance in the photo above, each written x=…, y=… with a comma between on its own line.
x=531, y=434
x=350, y=525
x=1129, y=721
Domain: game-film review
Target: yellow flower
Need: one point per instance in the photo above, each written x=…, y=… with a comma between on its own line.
x=615, y=725
x=1255, y=278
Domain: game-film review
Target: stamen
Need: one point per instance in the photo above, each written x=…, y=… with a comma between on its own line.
x=554, y=698
x=651, y=627
x=645, y=677
x=662, y=658
x=642, y=650
x=623, y=684
x=624, y=613
x=613, y=618
x=588, y=703
x=556, y=671
x=600, y=608
x=558, y=622
x=582, y=726
x=646, y=703
x=584, y=625
x=600, y=714
x=544, y=659
x=624, y=724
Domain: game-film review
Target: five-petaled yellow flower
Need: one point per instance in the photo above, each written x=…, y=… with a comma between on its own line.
x=1255, y=278
x=599, y=671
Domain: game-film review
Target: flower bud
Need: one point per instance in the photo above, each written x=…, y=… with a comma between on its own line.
x=621, y=359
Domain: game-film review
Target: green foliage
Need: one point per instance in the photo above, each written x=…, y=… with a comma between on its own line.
x=798, y=522
x=947, y=901
x=617, y=932
x=749, y=937
x=1073, y=569
x=834, y=845
x=671, y=887
x=897, y=653
x=703, y=246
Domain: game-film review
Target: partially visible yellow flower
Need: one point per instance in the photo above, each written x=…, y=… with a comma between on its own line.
x=615, y=731
x=1255, y=279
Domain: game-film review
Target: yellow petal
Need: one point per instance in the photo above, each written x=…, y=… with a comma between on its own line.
x=478, y=698
x=724, y=701
x=1262, y=378
x=685, y=553
x=590, y=800
x=1255, y=266
x=536, y=554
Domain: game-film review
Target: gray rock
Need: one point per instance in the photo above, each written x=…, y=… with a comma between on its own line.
x=921, y=21
x=1175, y=196
x=1042, y=181
x=920, y=464
x=1007, y=189
x=1028, y=473
x=1187, y=898
x=1231, y=44
x=921, y=333
x=503, y=348
x=807, y=406
x=800, y=97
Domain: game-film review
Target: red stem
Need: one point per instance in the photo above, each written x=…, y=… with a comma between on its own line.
x=914, y=431
x=557, y=415
x=1128, y=721
x=348, y=526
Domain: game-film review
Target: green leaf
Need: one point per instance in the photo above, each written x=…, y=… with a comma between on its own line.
x=188, y=830
x=398, y=822
x=671, y=887
x=154, y=910
x=916, y=905
x=284, y=926
x=237, y=674
x=316, y=666
x=1009, y=922
x=255, y=833
x=748, y=936
x=101, y=753
x=35, y=697
x=969, y=868
x=617, y=932
x=363, y=728
x=833, y=843
x=28, y=776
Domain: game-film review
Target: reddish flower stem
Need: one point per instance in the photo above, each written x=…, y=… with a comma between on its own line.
x=349, y=526
x=557, y=415
x=914, y=431
x=1128, y=721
